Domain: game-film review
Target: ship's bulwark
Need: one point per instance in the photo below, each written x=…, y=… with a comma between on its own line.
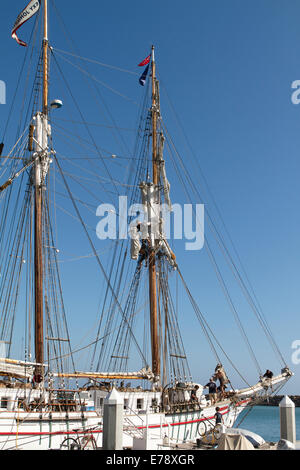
x=25, y=430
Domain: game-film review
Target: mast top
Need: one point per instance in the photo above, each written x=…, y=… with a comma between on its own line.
x=152, y=54
x=45, y=60
x=46, y=20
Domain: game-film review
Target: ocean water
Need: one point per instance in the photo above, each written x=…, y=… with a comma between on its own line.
x=265, y=421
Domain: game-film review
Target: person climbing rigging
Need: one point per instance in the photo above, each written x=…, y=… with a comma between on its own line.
x=144, y=251
x=220, y=374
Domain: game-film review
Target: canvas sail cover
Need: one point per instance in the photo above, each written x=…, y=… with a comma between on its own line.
x=151, y=211
x=234, y=442
x=135, y=243
x=163, y=174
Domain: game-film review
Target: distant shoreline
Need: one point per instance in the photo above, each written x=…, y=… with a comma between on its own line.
x=274, y=401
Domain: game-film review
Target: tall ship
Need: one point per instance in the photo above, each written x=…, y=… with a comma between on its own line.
x=49, y=398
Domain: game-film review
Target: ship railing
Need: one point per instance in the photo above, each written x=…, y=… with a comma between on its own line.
x=132, y=428
x=181, y=407
x=133, y=412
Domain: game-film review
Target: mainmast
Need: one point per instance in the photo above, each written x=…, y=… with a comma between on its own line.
x=41, y=120
x=152, y=258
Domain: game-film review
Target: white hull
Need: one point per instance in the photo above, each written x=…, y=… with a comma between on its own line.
x=144, y=426
x=35, y=431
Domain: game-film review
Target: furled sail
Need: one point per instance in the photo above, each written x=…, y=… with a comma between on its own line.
x=162, y=168
x=16, y=369
x=143, y=374
x=265, y=384
x=135, y=243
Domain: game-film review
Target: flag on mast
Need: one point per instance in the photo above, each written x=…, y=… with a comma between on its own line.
x=143, y=78
x=145, y=61
x=31, y=9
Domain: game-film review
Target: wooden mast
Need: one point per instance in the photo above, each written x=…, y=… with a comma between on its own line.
x=38, y=229
x=45, y=61
x=152, y=259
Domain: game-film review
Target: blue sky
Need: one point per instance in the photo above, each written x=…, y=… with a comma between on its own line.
x=227, y=68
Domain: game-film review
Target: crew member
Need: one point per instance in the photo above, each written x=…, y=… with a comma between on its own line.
x=194, y=393
x=218, y=416
x=268, y=374
x=212, y=390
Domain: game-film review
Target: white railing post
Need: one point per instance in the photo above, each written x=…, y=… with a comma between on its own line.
x=287, y=420
x=113, y=421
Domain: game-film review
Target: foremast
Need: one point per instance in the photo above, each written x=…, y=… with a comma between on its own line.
x=40, y=172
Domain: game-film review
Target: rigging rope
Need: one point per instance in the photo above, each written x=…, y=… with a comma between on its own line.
x=207, y=329
x=113, y=67
x=98, y=81
x=257, y=311
x=96, y=254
